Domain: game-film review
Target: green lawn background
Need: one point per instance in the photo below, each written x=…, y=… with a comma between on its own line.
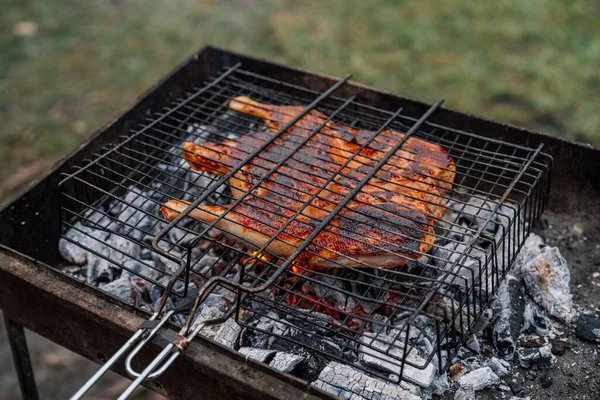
x=67, y=67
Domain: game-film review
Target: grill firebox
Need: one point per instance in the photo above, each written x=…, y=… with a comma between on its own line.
x=370, y=318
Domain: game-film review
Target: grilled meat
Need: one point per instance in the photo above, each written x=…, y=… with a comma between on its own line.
x=389, y=222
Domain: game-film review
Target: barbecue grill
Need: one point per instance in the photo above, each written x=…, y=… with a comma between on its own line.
x=102, y=204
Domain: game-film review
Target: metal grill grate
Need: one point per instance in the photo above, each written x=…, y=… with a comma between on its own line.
x=381, y=320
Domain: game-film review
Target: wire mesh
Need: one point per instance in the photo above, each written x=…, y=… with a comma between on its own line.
x=352, y=240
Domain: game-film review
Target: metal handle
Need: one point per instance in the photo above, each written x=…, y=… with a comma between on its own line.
x=139, y=334
x=137, y=349
x=171, y=348
x=106, y=366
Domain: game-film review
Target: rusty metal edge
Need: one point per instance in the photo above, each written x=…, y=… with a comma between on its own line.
x=61, y=309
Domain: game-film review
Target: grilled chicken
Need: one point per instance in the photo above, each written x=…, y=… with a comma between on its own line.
x=389, y=222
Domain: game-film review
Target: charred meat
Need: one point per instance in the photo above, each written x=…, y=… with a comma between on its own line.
x=389, y=222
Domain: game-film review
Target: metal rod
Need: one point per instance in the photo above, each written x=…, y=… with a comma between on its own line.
x=107, y=365
x=21, y=359
x=145, y=341
x=138, y=381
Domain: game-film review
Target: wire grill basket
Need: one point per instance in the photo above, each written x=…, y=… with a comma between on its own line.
x=380, y=320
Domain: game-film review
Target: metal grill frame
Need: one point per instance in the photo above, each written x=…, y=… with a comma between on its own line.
x=529, y=209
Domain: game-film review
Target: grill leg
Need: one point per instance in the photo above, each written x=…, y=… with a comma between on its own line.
x=20, y=352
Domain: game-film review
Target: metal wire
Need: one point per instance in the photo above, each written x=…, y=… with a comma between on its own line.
x=454, y=260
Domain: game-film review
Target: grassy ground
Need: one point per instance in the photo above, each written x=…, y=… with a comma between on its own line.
x=66, y=67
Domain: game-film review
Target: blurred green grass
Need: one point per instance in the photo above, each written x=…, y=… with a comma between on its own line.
x=67, y=67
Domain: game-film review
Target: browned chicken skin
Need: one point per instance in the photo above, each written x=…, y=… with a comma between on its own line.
x=389, y=222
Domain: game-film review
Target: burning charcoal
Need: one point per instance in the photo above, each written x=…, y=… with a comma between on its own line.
x=130, y=211
x=516, y=388
x=370, y=283
x=140, y=269
x=483, y=321
x=509, y=304
x=540, y=358
x=465, y=393
x=183, y=297
x=286, y=362
x=440, y=385
x=72, y=253
x=163, y=264
x=500, y=367
x=475, y=213
x=559, y=347
x=451, y=310
x=205, y=264
x=472, y=363
x=349, y=383
x=314, y=361
x=530, y=250
x=479, y=379
x=535, y=321
x=473, y=344
x=121, y=288
x=177, y=234
x=546, y=381
x=323, y=290
x=463, y=353
x=260, y=355
x=213, y=307
x=380, y=324
x=75, y=271
x=547, y=280
x=463, y=268
x=265, y=329
x=456, y=370
x=100, y=271
x=588, y=328
x=380, y=353
x=225, y=333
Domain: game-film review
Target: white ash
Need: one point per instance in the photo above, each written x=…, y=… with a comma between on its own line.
x=531, y=248
x=225, y=333
x=479, y=379
x=138, y=268
x=383, y=353
x=121, y=288
x=260, y=355
x=349, y=383
x=439, y=386
x=534, y=320
x=286, y=362
x=547, y=279
x=509, y=306
x=72, y=253
x=588, y=328
x=464, y=218
x=500, y=367
x=213, y=307
x=267, y=328
x=536, y=358
x=465, y=393
x=483, y=322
